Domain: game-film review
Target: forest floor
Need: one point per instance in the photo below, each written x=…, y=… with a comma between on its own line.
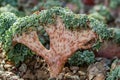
x=35, y=68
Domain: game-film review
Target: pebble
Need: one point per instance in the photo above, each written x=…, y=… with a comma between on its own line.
x=76, y=77
x=6, y=75
x=61, y=75
x=81, y=73
x=37, y=65
x=96, y=71
x=28, y=75
x=2, y=67
x=7, y=66
x=66, y=69
x=23, y=68
x=73, y=77
x=74, y=69
x=100, y=77
x=68, y=74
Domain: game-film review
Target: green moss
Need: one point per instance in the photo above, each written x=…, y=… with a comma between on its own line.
x=114, y=4
x=11, y=2
x=116, y=35
x=80, y=58
x=19, y=54
x=97, y=16
x=47, y=4
x=9, y=8
x=6, y=20
x=101, y=29
x=115, y=73
x=103, y=11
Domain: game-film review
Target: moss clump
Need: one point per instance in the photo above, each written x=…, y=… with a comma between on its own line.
x=9, y=8
x=114, y=74
x=114, y=4
x=47, y=4
x=6, y=20
x=116, y=35
x=101, y=29
x=11, y=2
x=97, y=16
x=19, y=54
x=80, y=58
x=103, y=11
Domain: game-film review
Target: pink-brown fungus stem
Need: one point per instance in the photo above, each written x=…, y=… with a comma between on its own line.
x=63, y=44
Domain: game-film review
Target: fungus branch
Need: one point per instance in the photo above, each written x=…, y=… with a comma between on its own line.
x=67, y=31
x=63, y=43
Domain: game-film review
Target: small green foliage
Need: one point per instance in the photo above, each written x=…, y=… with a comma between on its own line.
x=114, y=4
x=11, y=2
x=19, y=53
x=97, y=16
x=115, y=73
x=70, y=19
x=9, y=8
x=47, y=4
x=49, y=16
x=75, y=21
x=96, y=46
x=117, y=36
x=100, y=28
x=6, y=20
x=103, y=11
x=80, y=58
